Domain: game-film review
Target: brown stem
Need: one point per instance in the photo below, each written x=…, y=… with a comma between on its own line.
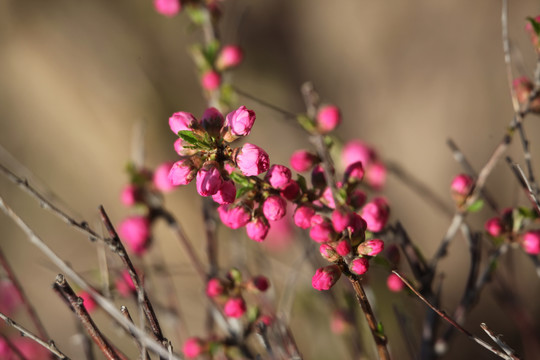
x=143, y=354
x=121, y=252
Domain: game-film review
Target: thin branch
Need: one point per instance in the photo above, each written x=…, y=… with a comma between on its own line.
x=525, y=184
x=77, y=306
x=286, y=114
x=143, y=354
x=26, y=333
x=451, y=321
x=497, y=339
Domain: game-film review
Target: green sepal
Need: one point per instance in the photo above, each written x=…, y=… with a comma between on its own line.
x=301, y=183
x=239, y=179
x=380, y=329
x=252, y=313
x=306, y=122
x=135, y=176
x=195, y=14
x=535, y=25
x=211, y=51
x=235, y=275
x=527, y=213
x=476, y=206
x=195, y=140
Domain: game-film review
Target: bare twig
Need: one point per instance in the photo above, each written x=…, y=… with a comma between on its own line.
x=497, y=339
x=24, y=332
x=143, y=354
x=525, y=183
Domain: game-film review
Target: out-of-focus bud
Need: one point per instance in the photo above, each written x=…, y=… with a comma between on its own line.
x=531, y=242
x=135, y=231
x=532, y=32
x=88, y=301
x=354, y=172
x=193, y=347
x=210, y=80
x=235, y=307
x=394, y=283
x=291, y=190
x=259, y=283
x=214, y=287
x=494, y=226
x=161, y=179
x=376, y=214
x=229, y=56
x=167, y=7
x=376, y=175
x=303, y=160
x=328, y=118
x=356, y=150
x=523, y=88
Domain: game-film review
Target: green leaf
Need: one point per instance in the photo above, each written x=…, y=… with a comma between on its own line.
x=380, y=328
x=476, y=206
x=211, y=51
x=240, y=192
x=189, y=136
x=535, y=25
x=527, y=213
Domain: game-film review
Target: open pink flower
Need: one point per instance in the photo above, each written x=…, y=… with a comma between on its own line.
x=326, y=277
x=252, y=160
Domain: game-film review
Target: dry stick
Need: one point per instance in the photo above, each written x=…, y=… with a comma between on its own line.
x=24, y=299
x=443, y=315
x=105, y=304
x=24, y=332
x=66, y=292
x=141, y=292
x=497, y=339
x=525, y=184
x=143, y=354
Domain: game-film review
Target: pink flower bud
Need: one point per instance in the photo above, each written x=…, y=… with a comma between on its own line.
x=303, y=160
x=327, y=198
x=180, y=121
x=234, y=217
x=129, y=195
x=357, y=199
x=182, y=172
x=376, y=214
x=209, y=179
x=358, y=225
x=371, y=247
x=323, y=232
x=329, y=253
x=341, y=219
x=241, y=121
x=340, y=322
x=376, y=175
x=274, y=207
x=494, y=226
x=326, y=277
x=193, y=347
x=124, y=284
x=354, y=172
x=302, y=216
x=88, y=301
x=226, y=193
x=291, y=190
x=212, y=121
x=462, y=184
x=135, y=231
x=318, y=179
x=235, y=307
x=10, y=298
x=167, y=7
x=252, y=160
x=210, y=80
x=214, y=287
x=179, y=147
x=357, y=150
x=260, y=283
x=161, y=178
x=359, y=266
x=278, y=176
x=257, y=229
x=229, y=56
x=328, y=118
x=531, y=242
x=343, y=248
x=394, y=283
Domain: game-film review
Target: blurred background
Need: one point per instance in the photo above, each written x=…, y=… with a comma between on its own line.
x=76, y=77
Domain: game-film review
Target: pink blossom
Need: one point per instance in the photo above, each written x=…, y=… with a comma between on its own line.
x=328, y=118
x=241, y=121
x=359, y=266
x=226, y=193
x=192, y=347
x=182, y=172
x=494, y=226
x=291, y=190
x=235, y=307
x=302, y=160
x=274, y=207
x=278, y=176
x=371, y=247
x=356, y=150
x=214, y=287
x=161, y=177
x=129, y=195
x=328, y=252
x=531, y=242
x=10, y=298
x=252, y=160
x=257, y=229
x=357, y=199
x=209, y=179
x=167, y=7
x=341, y=219
x=461, y=184
x=354, y=172
x=376, y=175
x=318, y=179
x=376, y=214
x=394, y=283
x=180, y=121
x=323, y=232
x=340, y=322
x=358, y=225
x=135, y=231
x=343, y=248
x=211, y=80
x=212, y=121
x=327, y=198
x=229, y=56
x=88, y=301
x=326, y=277
x=234, y=217
x=124, y=284
x=260, y=283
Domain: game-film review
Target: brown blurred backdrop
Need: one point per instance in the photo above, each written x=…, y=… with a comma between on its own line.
x=77, y=76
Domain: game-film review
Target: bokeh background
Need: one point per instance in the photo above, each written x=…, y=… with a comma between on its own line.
x=76, y=78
